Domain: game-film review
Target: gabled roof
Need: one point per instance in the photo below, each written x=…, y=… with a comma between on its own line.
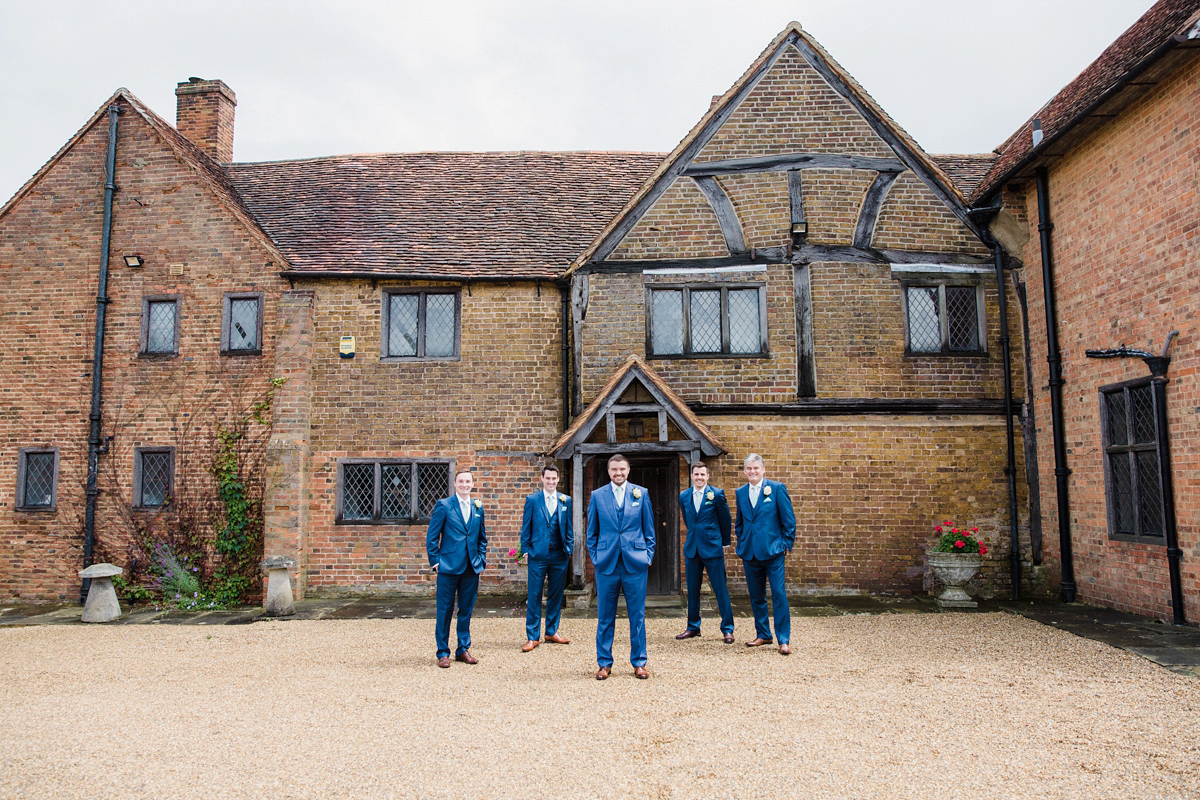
x=965, y=169
x=1124, y=71
x=905, y=147
x=207, y=171
x=677, y=410
x=440, y=215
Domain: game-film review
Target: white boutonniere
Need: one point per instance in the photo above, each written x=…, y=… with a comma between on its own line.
x=562, y=498
x=478, y=504
x=710, y=495
x=637, y=494
x=766, y=491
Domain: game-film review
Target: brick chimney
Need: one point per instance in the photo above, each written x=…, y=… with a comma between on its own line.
x=204, y=114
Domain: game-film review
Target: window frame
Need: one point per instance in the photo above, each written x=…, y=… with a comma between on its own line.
x=144, y=338
x=726, y=344
x=1130, y=451
x=22, y=474
x=422, y=294
x=227, y=320
x=942, y=284
x=138, y=454
x=377, y=490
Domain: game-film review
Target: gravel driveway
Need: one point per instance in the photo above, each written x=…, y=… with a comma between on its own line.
x=899, y=705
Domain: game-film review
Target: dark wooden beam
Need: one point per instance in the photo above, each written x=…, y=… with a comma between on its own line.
x=796, y=196
x=812, y=253
x=762, y=255
x=790, y=161
x=812, y=407
x=899, y=146
x=727, y=218
x=868, y=215
x=684, y=159
x=639, y=447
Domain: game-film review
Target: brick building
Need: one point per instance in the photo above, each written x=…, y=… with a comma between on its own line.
x=797, y=278
x=1101, y=191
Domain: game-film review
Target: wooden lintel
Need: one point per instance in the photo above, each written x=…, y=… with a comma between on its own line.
x=762, y=255
x=790, y=161
x=812, y=253
x=636, y=408
x=629, y=448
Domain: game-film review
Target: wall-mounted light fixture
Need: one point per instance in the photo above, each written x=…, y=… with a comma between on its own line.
x=800, y=229
x=133, y=261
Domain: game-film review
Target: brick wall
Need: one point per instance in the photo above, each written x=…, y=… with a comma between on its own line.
x=49, y=252
x=1126, y=248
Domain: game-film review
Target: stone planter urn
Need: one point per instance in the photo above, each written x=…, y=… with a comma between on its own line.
x=954, y=570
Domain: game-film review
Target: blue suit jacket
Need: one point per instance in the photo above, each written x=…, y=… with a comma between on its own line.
x=770, y=529
x=632, y=536
x=708, y=529
x=451, y=545
x=536, y=525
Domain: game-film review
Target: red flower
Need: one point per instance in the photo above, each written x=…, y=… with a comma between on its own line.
x=983, y=550
x=974, y=530
x=960, y=543
x=938, y=528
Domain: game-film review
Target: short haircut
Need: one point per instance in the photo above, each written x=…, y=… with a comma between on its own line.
x=550, y=468
x=466, y=470
x=753, y=457
x=696, y=465
x=617, y=457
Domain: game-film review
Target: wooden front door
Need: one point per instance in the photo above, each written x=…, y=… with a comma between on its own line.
x=660, y=476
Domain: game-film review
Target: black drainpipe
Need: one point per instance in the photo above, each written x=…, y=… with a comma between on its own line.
x=1054, y=360
x=96, y=445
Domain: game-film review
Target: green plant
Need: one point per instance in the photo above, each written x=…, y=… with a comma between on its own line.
x=131, y=592
x=958, y=540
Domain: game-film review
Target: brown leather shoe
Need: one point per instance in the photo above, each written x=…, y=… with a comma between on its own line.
x=785, y=650
x=466, y=657
x=532, y=643
x=558, y=638
x=729, y=638
x=690, y=633
x=757, y=642
x=603, y=673
x=640, y=673
x=444, y=662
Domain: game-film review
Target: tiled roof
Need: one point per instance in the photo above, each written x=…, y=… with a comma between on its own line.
x=966, y=170
x=454, y=215
x=1155, y=29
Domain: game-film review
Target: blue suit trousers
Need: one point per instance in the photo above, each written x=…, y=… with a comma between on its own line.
x=758, y=574
x=715, y=567
x=466, y=587
x=633, y=584
x=551, y=574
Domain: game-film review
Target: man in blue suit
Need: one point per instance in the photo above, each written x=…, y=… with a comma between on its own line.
x=706, y=514
x=457, y=547
x=547, y=539
x=620, y=541
x=766, y=531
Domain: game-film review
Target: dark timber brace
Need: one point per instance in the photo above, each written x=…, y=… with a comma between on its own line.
x=1158, y=371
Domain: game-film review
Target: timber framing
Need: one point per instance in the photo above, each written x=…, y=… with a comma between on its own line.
x=802, y=254
x=872, y=204
x=789, y=161
x=727, y=218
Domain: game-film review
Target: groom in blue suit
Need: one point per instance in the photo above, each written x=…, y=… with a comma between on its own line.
x=706, y=514
x=620, y=541
x=457, y=548
x=547, y=539
x=766, y=531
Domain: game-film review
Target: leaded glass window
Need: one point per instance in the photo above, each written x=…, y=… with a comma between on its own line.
x=160, y=326
x=241, y=324
x=390, y=490
x=37, y=477
x=1133, y=477
x=420, y=325
x=944, y=319
x=697, y=321
x=152, y=477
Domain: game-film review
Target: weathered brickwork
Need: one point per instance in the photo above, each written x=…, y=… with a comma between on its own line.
x=1126, y=249
x=494, y=411
x=49, y=254
x=858, y=341
x=761, y=202
x=681, y=219
x=832, y=201
x=793, y=110
x=912, y=218
x=868, y=491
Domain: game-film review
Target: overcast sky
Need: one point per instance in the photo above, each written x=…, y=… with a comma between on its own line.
x=318, y=78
